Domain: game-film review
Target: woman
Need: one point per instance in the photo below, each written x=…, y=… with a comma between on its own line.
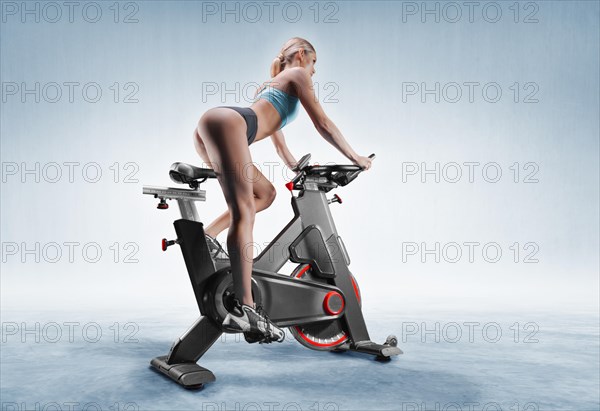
x=222, y=139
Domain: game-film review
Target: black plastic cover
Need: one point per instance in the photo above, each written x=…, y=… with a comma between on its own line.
x=310, y=248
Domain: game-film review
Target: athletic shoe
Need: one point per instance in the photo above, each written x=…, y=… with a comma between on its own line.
x=254, y=323
x=215, y=249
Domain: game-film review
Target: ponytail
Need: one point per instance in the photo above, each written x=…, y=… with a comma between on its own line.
x=277, y=65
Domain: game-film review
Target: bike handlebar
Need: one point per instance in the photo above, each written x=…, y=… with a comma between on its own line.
x=344, y=173
x=303, y=162
x=335, y=167
x=347, y=177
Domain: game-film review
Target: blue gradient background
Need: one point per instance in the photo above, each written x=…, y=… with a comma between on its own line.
x=363, y=60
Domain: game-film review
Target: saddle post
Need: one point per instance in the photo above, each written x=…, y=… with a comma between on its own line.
x=180, y=364
x=188, y=210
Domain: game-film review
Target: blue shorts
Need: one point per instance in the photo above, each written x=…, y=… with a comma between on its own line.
x=251, y=121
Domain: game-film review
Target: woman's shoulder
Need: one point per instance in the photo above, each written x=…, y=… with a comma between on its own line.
x=296, y=75
x=293, y=79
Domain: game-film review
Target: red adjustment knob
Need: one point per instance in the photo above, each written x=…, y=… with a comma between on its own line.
x=290, y=185
x=167, y=243
x=336, y=199
x=162, y=205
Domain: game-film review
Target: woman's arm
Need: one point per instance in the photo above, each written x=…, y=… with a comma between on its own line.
x=282, y=149
x=326, y=128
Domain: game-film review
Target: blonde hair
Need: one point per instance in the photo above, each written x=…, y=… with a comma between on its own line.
x=287, y=52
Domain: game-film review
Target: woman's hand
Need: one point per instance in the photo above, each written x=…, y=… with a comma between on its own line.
x=363, y=162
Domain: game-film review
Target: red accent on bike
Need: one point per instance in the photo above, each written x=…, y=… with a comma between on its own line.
x=164, y=244
x=342, y=339
x=355, y=289
x=328, y=297
x=289, y=186
x=338, y=198
x=306, y=338
x=301, y=273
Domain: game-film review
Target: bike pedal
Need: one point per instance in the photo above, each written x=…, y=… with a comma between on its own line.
x=258, y=338
x=253, y=338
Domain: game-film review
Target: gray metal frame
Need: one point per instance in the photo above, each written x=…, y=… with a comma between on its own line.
x=311, y=209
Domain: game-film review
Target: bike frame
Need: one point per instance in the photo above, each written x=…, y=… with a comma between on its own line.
x=310, y=237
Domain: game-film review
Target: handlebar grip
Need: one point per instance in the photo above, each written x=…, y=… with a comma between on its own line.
x=355, y=173
x=303, y=162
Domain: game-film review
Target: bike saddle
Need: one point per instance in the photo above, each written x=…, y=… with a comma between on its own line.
x=184, y=173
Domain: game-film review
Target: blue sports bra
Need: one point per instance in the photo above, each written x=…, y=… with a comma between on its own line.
x=285, y=104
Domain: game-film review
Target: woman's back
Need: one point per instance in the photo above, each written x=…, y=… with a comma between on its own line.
x=284, y=102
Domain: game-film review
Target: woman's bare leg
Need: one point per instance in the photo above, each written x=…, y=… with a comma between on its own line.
x=224, y=136
x=264, y=193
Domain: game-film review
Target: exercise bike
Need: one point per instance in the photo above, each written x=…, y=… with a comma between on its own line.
x=320, y=301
